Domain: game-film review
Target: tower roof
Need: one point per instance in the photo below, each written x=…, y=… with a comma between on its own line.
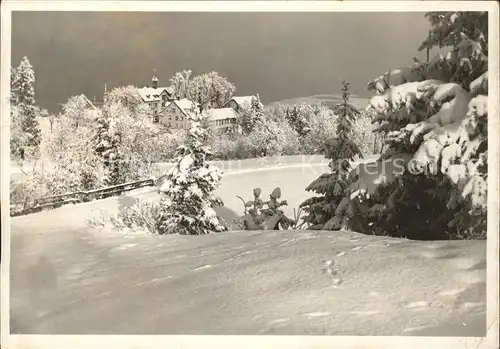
x=154, y=78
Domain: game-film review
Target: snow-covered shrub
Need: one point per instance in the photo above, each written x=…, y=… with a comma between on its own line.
x=25, y=191
x=142, y=216
x=435, y=116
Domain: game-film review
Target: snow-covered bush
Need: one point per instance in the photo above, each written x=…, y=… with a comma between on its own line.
x=435, y=114
x=142, y=216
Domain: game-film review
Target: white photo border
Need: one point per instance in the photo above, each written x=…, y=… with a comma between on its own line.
x=187, y=341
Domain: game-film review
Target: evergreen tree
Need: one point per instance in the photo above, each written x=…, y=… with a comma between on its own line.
x=187, y=203
x=23, y=97
x=107, y=140
x=321, y=211
x=300, y=117
x=430, y=183
x=252, y=115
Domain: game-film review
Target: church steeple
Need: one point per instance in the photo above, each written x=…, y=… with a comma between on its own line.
x=154, y=80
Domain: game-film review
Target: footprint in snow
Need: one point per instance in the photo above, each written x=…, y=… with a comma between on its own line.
x=333, y=269
x=203, y=267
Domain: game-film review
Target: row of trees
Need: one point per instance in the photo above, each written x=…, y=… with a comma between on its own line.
x=292, y=130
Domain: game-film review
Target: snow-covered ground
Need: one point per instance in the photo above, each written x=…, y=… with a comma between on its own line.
x=69, y=279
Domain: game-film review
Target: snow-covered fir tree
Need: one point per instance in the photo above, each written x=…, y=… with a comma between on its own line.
x=187, y=203
x=326, y=210
x=252, y=115
x=23, y=98
x=431, y=181
x=300, y=117
x=107, y=139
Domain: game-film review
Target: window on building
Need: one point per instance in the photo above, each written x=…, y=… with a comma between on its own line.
x=163, y=103
x=177, y=118
x=156, y=118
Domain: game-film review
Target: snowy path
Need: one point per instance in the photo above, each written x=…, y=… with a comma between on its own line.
x=69, y=279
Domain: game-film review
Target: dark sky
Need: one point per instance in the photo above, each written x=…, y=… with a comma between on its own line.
x=278, y=55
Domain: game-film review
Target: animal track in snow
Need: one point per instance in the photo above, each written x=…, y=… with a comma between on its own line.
x=333, y=269
x=356, y=248
x=206, y=266
x=340, y=254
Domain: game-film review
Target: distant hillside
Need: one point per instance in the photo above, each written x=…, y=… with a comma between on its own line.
x=329, y=100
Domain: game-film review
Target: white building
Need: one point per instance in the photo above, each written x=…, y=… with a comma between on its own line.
x=222, y=119
x=175, y=114
x=156, y=97
x=239, y=102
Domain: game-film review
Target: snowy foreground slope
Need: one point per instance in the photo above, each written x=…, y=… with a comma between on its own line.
x=70, y=279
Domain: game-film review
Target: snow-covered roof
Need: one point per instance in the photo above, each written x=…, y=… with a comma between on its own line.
x=185, y=104
x=242, y=101
x=91, y=105
x=149, y=94
x=221, y=114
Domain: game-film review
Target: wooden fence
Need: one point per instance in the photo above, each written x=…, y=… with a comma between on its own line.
x=51, y=202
